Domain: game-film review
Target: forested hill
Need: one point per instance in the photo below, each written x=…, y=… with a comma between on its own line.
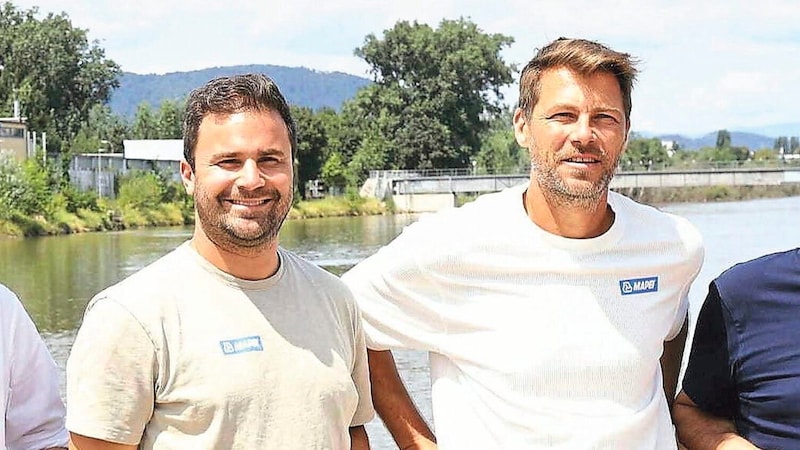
x=301, y=86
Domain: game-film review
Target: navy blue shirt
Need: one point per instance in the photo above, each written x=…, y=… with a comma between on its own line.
x=745, y=359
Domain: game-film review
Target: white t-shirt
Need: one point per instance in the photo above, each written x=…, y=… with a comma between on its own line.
x=34, y=412
x=535, y=340
x=183, y=355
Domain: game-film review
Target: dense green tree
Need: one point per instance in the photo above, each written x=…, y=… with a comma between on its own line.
x=106, y=127
x=642, y=153
x=170, y=119
x=500, y=152
x=334, y=172
x=53, y=70
x=723, y=139
x=162, y=123
x=781, y=144
x=794, y=144
x=434, y=93
x=312, y=139
x=145, y=123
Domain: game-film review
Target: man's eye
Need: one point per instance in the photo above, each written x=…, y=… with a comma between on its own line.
x=563, y=116
x=607, y=118
x=228, y=163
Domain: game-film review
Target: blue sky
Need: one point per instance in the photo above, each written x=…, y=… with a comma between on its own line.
x=705, y=65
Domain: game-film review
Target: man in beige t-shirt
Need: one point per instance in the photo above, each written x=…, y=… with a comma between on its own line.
x=229, y=341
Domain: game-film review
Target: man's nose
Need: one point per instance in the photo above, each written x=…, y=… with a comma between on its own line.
x=250, y=176
x=583, y=132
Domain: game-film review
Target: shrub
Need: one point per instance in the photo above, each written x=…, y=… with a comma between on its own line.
x=140, y=190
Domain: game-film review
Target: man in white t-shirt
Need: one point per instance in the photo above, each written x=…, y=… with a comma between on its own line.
x=34, y=412
x=554, y=313
x=229, y=341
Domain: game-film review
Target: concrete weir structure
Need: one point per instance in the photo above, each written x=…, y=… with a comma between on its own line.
x=433, y=190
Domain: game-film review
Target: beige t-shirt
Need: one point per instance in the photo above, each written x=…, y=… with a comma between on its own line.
x=182, y=355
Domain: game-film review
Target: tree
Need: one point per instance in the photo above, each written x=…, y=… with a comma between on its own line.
x=170, y=119
x=723, y=139
x=52, y=69
x=782, y=144
x=145, y=123
x=644, y=153
x=435, y=91
x=500, y=152
x=312, y=139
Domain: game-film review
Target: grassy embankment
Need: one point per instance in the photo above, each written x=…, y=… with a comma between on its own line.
x=110, y=215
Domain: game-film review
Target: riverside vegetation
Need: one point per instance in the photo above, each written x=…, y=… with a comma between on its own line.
x=37, y=200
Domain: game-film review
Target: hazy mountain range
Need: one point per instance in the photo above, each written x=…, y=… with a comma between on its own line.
x=315, y=89
x=300, y=86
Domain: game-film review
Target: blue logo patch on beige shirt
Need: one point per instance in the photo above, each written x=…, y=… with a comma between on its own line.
x=242, y=345
x=638, y=285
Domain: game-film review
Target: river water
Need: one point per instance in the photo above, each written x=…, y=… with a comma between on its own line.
x=56, y=276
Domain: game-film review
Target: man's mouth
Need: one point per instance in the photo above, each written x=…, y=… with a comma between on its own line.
x=247, y=202
x=582, y=160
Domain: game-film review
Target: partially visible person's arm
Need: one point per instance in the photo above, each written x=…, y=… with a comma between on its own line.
x=78, y=442
x=394, y=405
x=699, y=430
x=671, y=362
x=34, y=412
x=358, y=438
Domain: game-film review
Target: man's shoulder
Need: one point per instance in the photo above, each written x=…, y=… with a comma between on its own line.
x=784, y=265
x=150, y=283
x=11, y=310
x=651, y=221
x=487, y=210
x=316, y=276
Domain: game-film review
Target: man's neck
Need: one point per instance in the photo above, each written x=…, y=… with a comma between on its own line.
x=251, y=264
x=567, y=221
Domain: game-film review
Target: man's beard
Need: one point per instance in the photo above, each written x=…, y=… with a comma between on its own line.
x=239, y=233
x=558, y=190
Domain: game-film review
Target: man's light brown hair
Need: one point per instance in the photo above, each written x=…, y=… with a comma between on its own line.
x=583, y=57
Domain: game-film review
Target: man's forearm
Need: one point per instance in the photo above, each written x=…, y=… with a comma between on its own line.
x=394, y=405
x=358, y=438
x=699, y=430
x=671, y=362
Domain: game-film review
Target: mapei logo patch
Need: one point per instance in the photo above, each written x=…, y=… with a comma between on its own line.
x=638, y=285
x=242, y=345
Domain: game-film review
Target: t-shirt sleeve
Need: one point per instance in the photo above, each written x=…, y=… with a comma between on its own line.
x=34, y=416
x=708, y=380
x=694, y=262
x=399, y=302
x=360, y=375
x=111, y=374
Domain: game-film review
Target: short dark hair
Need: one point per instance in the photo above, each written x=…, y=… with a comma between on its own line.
x=230, y=95
x=583, y=57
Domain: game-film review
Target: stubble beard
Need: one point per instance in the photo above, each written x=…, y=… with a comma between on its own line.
x=558, y=191
x=228, y=232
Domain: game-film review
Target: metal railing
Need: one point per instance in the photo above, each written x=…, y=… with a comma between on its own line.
x=673, y=167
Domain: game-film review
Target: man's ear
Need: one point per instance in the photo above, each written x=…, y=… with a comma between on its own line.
x=521, y=127
x=187, y=177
